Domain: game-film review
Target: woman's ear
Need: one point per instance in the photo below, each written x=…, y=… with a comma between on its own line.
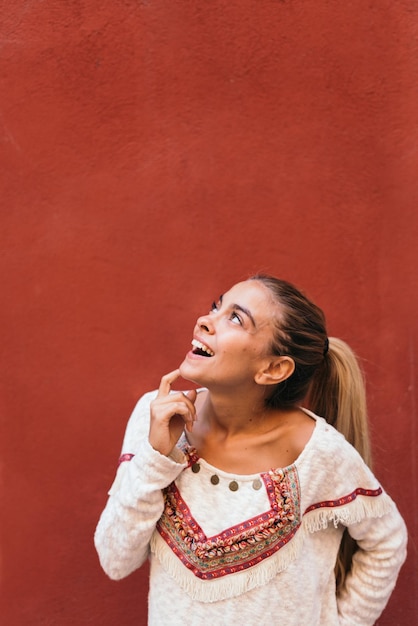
x=276, y=371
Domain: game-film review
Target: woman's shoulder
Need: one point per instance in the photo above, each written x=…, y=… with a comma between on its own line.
x=327, y=440
x=144, y=402
x=331, y=464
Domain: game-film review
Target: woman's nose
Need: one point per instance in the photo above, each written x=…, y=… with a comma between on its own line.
x=205, y=323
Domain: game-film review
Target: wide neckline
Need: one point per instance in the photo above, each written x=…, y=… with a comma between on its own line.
x=249, y=477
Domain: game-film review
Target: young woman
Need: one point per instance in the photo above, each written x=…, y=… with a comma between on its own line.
x=251, y=508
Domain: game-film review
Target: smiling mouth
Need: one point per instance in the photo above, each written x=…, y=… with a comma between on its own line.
x=200, y=348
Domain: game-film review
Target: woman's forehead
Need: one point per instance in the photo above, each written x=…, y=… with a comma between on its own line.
x=254, y=296
x=251, y=290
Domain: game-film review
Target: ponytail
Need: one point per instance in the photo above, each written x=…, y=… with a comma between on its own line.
x=338, y=394
x=327, y=379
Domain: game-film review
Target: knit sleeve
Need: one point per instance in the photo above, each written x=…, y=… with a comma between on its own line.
x=338, y=488
x=376, y=564
x=135, y=501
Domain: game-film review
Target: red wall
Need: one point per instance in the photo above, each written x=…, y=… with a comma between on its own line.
x=153, y=152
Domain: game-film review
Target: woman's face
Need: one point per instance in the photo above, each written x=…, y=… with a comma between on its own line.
x=232, y=342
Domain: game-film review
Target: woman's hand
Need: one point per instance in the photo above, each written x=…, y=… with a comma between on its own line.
x=170, y=413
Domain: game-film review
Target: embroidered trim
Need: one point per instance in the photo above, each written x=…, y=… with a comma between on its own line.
x=125, y=457
x=239, y=547
x=345, y=500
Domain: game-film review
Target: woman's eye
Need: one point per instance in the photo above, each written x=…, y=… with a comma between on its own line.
x=236, y=318
x=214, y=307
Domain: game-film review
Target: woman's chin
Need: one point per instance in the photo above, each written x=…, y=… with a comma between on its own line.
x=187, y=373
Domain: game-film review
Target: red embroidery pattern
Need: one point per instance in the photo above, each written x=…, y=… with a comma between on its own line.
x=241, y=546
x=246, y=544
x=125, y=457
x=345, y=500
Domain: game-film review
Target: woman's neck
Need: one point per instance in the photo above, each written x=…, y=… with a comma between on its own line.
x=239, y=437
x=233, y=414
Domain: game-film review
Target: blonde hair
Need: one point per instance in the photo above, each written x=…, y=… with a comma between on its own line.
x=338, y=393
x=327, y=378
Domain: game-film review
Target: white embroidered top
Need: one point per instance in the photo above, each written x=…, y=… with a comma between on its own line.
x=256, y=549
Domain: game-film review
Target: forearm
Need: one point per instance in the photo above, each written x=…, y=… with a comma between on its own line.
x=133, y=509
x=376, y=564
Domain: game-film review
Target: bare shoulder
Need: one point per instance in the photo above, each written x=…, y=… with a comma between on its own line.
x=301, y=430
x=289, y=439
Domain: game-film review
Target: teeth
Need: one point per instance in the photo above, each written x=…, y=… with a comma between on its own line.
x=201, y=346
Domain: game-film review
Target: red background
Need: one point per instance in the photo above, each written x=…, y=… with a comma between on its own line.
x=154, y=152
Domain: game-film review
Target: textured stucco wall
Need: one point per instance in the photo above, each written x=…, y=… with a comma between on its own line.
x=153, y=152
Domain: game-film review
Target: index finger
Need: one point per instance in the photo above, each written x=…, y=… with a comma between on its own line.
x=166, y=382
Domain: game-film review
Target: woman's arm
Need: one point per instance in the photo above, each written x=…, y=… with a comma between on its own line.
x=376, y=564
x=134, y=507
x=136, y=500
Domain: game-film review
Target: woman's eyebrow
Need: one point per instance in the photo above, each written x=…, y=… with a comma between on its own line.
x=242, y=309
x=246, y=312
